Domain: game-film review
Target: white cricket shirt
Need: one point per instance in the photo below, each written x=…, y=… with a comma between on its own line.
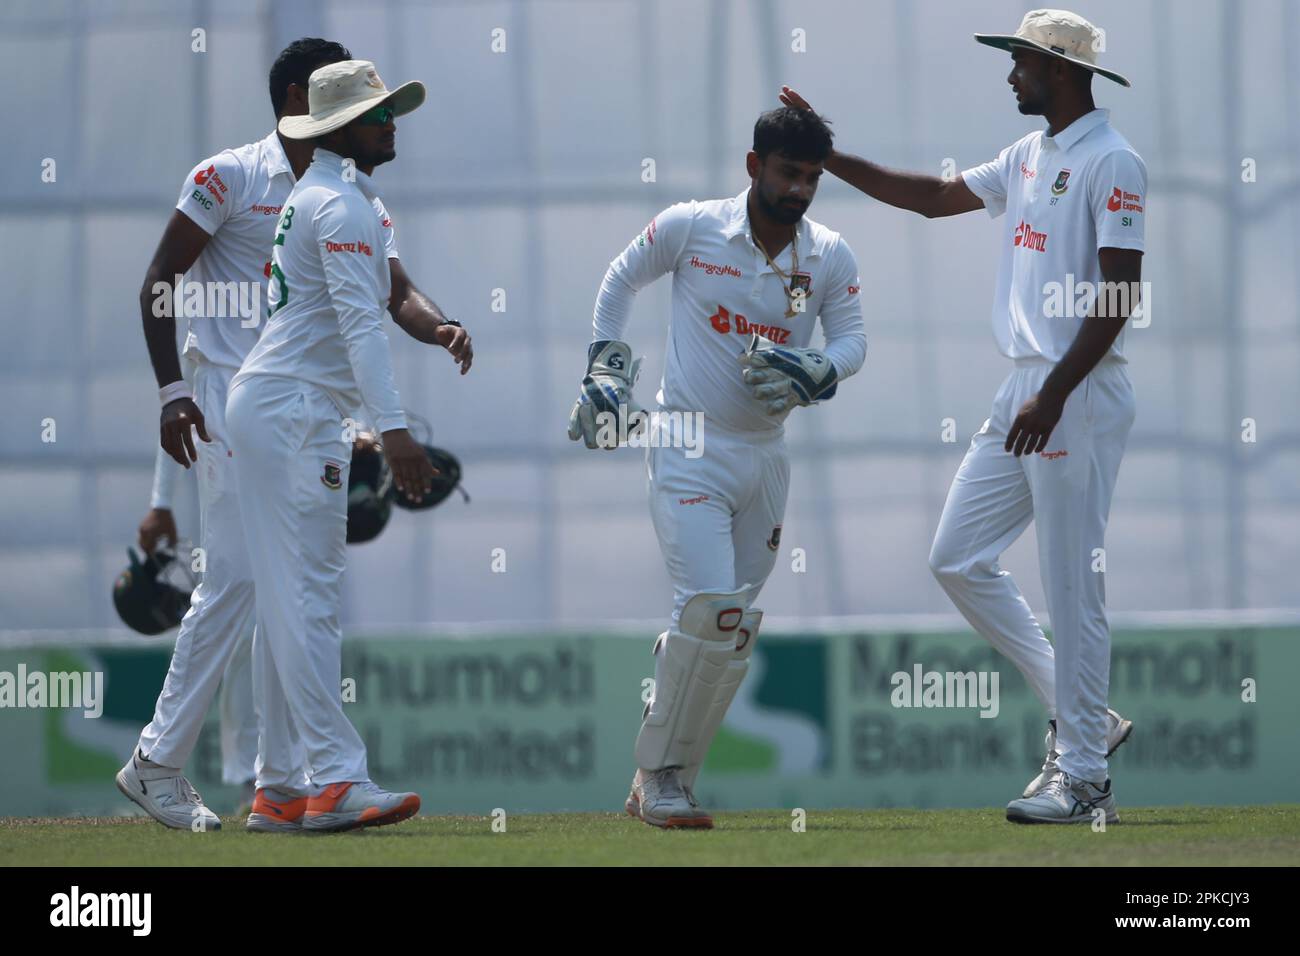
x=1065, y=196
x=328, y=294
x=235, y=197
x=723, y=288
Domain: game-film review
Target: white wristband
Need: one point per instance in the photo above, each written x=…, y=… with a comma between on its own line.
x=177, y=389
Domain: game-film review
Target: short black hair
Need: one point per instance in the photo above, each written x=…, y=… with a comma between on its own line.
x=797, y=134
x=298, y=61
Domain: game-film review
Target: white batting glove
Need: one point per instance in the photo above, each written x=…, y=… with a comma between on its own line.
x=782, y=378
x=607, y=391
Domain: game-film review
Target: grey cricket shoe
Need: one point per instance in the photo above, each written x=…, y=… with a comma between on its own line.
x=1063, y=799
x=166, y=795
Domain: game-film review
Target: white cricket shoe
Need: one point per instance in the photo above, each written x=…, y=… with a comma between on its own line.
x=165, y=794
x=350, y=806
x=1063, y=799
x=1117, y=731
x=659, y=799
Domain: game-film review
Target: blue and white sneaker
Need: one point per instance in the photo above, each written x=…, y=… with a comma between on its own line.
x=1063, y=799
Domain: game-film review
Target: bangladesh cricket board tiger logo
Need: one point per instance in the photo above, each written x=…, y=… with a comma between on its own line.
x=332, y=476
x=1062, y=183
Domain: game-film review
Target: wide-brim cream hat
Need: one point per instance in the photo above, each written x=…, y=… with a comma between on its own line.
x=1058, y=33
x=340, y=92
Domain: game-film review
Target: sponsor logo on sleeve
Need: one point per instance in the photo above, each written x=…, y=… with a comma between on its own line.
x=647, y=235
x=210, y=179
x=1126, y=201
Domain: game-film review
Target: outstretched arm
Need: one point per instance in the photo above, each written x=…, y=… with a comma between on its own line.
x=930, y=196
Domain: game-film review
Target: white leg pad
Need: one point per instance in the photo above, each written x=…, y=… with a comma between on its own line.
x=691, y=664
x=735, y=672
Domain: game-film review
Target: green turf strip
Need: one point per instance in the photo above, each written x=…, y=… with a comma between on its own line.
x=1146, y=836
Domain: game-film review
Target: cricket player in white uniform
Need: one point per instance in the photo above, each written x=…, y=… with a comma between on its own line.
x=323, y=354
x=751, y=276
x=1074, y=199
x=222, y=232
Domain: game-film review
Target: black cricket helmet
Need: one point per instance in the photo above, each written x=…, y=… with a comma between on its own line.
x=369, y=485
x=153, y=594
x=444, y=482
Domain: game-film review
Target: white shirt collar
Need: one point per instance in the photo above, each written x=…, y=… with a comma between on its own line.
x=276, y=161
x=1085, y=124
x=738, y=225
x=332, y=161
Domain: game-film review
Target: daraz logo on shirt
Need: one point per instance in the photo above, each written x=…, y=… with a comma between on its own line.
x=1026, y=238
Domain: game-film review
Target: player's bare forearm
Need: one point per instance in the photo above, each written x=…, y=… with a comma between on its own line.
x=159, y=332
x=1119, y=268
x=419, y=317
x=181, y=243
x=930, y=196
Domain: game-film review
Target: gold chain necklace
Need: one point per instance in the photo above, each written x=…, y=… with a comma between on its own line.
x=787, y=281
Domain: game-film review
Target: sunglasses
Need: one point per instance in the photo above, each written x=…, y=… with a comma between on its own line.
x=378, y=116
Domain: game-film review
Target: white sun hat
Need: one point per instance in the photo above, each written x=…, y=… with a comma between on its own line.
x=340, y=92
x=1057, y=33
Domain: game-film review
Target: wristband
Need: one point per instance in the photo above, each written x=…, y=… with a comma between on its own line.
x=451, y=322
x=177, y=389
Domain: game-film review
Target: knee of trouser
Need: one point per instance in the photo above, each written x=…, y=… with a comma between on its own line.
x=947, y=565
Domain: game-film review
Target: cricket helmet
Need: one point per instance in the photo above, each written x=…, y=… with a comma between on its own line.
x=153, y=594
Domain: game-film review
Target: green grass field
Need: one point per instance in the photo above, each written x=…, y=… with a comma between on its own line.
x=1146, y=836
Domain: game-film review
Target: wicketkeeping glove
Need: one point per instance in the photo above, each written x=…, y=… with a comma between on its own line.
x=611, y=373
x=782, y=377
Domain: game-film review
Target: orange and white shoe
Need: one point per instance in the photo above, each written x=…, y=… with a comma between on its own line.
x=271, y=815
x=350, y=806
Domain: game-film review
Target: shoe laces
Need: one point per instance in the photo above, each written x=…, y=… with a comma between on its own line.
x=182, y=793
x=667, y=784
x=1059, y=782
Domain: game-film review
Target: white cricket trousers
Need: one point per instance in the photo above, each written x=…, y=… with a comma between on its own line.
x=292, y=460
x=1066, y=491
x=213, y=646
x=717, y=516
